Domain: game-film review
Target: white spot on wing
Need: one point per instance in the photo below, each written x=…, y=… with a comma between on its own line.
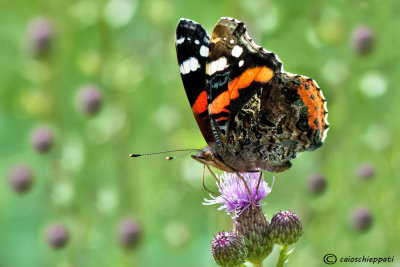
x=196, y=42
x=216, y=65
x=241, y=62
x=180, y=40
x=213, y=67
x=190, y=64
x=237, y=51
x=231, y=41
x=222, y=61
x=204, y=51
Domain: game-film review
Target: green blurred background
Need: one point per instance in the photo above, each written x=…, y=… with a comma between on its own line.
x=87, y=182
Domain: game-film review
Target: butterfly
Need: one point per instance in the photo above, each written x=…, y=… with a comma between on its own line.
x=253, y=115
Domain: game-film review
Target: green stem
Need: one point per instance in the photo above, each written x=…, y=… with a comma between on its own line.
x=282, y=256
x=259, y=264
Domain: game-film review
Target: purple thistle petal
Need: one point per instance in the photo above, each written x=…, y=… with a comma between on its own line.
x=235, y=197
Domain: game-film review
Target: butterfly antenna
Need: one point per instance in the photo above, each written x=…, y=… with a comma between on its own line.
x=164, y=152
x=178, y=156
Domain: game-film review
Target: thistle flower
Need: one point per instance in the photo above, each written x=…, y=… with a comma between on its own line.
x=235, y=197
x=286, y=228
x=57, y=235
x=228, y=249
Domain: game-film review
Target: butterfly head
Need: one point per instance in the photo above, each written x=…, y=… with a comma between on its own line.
x=208, y=157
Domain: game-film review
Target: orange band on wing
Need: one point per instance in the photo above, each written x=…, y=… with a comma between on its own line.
x=200, y=105
x=264, y=75
x=220, y=102
x=257, y=74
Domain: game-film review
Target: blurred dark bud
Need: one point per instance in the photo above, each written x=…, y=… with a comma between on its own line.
x=21, y=178
x=129, y=233
x=316, y=184
x=363, y=40
x=361, y=219
x=228, y=249
x=253, y=227
x=365, y=171
x=57, y=235
x=286, y=228
x=89, y=99
x=42, y=139
x=40, y=34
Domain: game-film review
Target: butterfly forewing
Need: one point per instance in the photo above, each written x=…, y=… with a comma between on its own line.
x=192, y=48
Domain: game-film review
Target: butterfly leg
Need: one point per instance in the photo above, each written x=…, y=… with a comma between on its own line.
x=248, y=189
x=204, y=185
x=258, y=183
x=213, y=174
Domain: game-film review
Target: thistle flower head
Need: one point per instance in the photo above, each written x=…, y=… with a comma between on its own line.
x=228, y=249
x=235, y=197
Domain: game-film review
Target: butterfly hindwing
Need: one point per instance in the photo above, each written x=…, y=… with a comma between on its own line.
x=192, y=48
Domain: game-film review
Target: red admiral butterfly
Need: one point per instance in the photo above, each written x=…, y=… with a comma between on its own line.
x=252, y=114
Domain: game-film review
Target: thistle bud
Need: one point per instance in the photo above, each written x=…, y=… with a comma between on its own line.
x=21, y=178
x=363, y=40
x=89, y=99
x=254, y=228
x=42, y=139
x=129, y=233
x=228, y=249
x=57, y=235
x=316, y=184
x=40, y=34
x=361, y=219
x=286, y=228
x=365, y=171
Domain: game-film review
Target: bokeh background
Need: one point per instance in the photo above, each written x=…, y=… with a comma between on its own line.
x=84, y=83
